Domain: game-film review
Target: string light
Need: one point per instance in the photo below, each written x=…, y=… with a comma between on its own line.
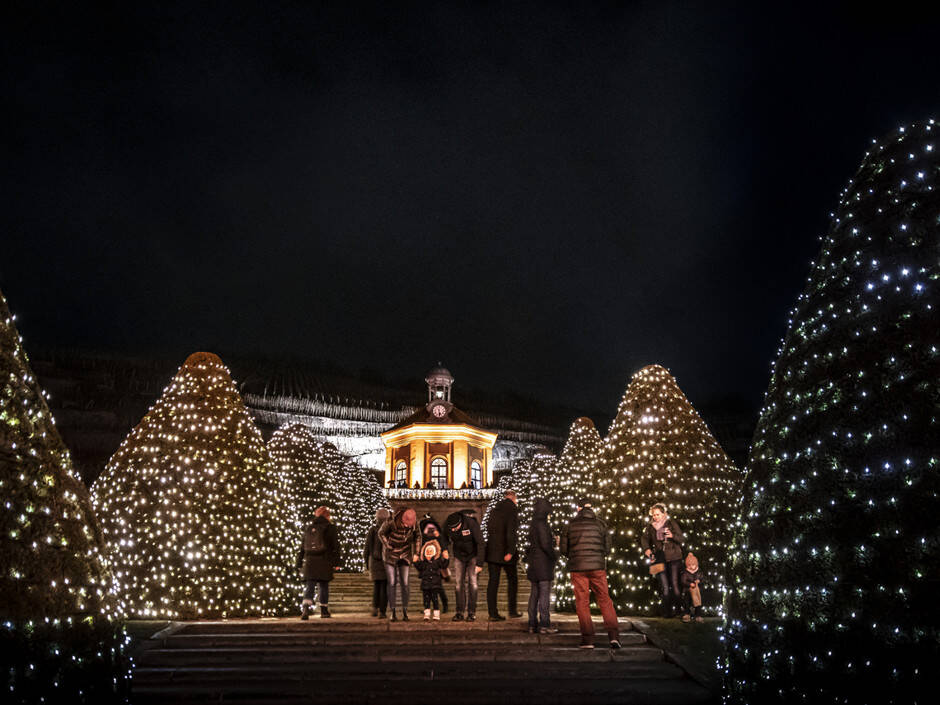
x=659, y=449
x=315, y=473
x=197, y=523
x=60, y=628
x=836, y=554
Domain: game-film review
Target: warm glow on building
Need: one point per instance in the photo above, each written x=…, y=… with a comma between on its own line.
x=438, y=444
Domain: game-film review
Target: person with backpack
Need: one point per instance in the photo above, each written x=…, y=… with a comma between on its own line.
x=375, y=566
x=319, y=558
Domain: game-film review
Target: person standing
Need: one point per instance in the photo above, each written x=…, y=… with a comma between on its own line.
x=400, y=542
x=319, y=557
x=501, y=554
x=585, y=540
x=375, y=565
x=661, y=541
x=430, y=566
x=541, y=557
x=431, y=533
x=466, y=555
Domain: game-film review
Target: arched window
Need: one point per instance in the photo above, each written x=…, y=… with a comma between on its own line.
x=401, y=473
x=439, y=472
x=476, y=475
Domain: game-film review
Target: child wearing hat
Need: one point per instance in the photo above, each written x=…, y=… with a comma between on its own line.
x=430, y=566
x=690, y=579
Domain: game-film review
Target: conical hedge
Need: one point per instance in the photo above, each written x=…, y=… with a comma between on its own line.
x=574, y=477
x=837, y=562
x=315, y=474
x=660, y=450
x=192, y=517
x=59, y=629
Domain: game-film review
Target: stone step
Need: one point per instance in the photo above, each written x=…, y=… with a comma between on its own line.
x=356, y=659
x=508, y=671
x=250, y=657
x=436, y=635
x=362, y=623
x=534, y=688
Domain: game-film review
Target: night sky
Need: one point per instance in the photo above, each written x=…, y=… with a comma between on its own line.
x=544, y=197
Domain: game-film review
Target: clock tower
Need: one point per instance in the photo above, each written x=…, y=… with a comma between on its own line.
x=439, y=446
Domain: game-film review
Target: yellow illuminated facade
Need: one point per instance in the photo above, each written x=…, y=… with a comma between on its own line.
x=439, y=445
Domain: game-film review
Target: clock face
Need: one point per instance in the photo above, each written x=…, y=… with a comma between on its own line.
x=439, y=410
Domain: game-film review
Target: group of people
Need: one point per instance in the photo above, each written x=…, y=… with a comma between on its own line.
x=457, y=550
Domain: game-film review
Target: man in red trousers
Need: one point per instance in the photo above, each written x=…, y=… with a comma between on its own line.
x=586, y=542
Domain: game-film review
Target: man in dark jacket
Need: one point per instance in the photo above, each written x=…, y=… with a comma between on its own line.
x=502, y=554
x=586, y=542
x=319, y=557
x=466, y=556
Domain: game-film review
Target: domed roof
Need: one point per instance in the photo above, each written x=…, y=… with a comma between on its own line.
x=439, y=375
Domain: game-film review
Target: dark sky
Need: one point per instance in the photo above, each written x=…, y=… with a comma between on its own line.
x=545, y=197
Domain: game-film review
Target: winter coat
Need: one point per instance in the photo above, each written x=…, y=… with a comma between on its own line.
x=320, y=565
x=668, y=550
x=430, y=572
x=373, y=554
x=586, y=542
x=399, y=542
x=541, y=554
x=502, y=527
x=686, y=578
x=465, y=537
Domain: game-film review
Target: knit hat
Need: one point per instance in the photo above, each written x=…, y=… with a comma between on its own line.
x=408, y=517
x=691, y=563
x=584, y=502
x=453, y=520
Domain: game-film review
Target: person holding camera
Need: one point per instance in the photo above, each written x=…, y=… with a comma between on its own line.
x=661, y=542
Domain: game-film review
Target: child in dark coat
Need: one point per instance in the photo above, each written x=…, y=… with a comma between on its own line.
x=690, y=579
x=429, y=566
x=431, y=531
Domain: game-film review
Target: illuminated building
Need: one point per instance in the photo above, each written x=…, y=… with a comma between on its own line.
x=439, y=446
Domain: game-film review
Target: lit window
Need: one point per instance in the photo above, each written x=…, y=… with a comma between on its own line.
x=476, y=475
x=439, y=472
x=401, y=472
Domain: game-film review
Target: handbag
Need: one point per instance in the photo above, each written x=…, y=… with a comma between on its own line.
x=657, y=568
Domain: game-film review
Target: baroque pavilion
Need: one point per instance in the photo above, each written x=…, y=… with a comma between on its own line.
x=439, y=446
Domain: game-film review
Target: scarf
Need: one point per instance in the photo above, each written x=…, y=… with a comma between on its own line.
x=660, y=527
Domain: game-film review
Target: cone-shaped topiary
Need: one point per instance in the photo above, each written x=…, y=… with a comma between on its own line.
x=193, y=520
x=573, y=477
x=660, y=450
x=59, y=629
x=837, y=559
x=317, y=474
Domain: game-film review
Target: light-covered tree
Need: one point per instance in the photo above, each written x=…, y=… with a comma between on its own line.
x=60, y=629
x=660, y=450
x=573, y=477
x=317, y=474
x=836, y=558
x=195, y=523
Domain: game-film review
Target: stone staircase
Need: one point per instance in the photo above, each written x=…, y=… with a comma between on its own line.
x=354, y=658
x=352, y=593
